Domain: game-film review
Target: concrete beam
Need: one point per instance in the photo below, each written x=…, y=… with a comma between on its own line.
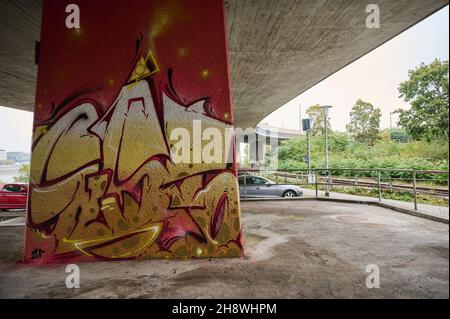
x=277, y=49
x=20, y=22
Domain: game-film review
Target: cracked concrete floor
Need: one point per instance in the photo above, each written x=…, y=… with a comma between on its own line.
x=304, y=249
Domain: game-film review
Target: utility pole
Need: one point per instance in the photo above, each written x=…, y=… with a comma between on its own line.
x=326, y=108
x=390, y=119
x=300, y=117
x=326, y=143
x=308, y=147
x=306, y=125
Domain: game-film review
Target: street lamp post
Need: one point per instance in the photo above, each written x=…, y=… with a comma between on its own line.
x=390, y=119
x=306, y=126
x=326, y=109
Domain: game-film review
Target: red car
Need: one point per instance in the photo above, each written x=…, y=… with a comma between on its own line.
x=13, y=196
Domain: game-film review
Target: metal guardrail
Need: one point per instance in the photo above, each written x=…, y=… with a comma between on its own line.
x=384, y=179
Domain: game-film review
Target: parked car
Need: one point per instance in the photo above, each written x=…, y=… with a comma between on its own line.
x=13, y=196
x=257, y=186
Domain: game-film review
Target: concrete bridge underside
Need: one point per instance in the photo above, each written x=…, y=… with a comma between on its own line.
x=277, y=49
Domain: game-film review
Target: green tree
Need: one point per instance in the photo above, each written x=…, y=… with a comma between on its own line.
x=23, y=176
x=427, y=92
x=292, y=152
x=316, y=114
x=364, y=123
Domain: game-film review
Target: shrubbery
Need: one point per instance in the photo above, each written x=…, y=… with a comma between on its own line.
x=385, y=154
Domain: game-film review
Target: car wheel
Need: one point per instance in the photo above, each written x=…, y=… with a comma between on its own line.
x=289, y=193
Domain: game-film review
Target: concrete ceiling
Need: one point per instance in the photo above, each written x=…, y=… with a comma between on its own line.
x=277, y=48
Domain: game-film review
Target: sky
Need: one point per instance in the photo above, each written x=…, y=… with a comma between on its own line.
x=15, y=130
x=373, y=78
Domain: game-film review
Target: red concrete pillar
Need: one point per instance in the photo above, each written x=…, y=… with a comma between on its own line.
x=132, y=110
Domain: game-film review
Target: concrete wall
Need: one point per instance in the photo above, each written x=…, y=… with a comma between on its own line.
x=104, y=183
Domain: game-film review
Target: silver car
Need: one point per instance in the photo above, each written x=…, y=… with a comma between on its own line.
x=257, y=186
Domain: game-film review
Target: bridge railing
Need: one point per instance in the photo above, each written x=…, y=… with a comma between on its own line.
x=415, y=183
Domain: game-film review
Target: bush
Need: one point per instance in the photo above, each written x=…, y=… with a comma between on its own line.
x=386, y=154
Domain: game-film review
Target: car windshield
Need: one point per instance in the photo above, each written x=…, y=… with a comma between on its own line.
x=12, y=188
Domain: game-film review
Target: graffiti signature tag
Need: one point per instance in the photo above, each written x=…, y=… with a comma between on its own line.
x=37, y=253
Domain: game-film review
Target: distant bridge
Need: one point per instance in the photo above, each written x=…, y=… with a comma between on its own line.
x=267, y=138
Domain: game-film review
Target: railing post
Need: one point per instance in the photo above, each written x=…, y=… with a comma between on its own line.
x=415, y=190
x=330, y=176
x=245, y=184
x=285, y=177
x=379, y=185
x=315, y=180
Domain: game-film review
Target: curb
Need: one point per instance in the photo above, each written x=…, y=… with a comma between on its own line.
x=355, y=201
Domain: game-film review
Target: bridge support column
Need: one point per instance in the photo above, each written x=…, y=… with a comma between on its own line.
x=118, y=170
x=257, y=150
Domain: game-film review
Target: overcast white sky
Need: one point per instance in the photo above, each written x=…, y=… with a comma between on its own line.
x=373, y=78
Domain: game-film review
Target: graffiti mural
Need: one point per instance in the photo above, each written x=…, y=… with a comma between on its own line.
x=104, y=182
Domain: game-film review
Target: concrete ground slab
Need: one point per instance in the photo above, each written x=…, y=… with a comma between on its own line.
x=431, y=210
x=301, y=249
x=16, y=221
